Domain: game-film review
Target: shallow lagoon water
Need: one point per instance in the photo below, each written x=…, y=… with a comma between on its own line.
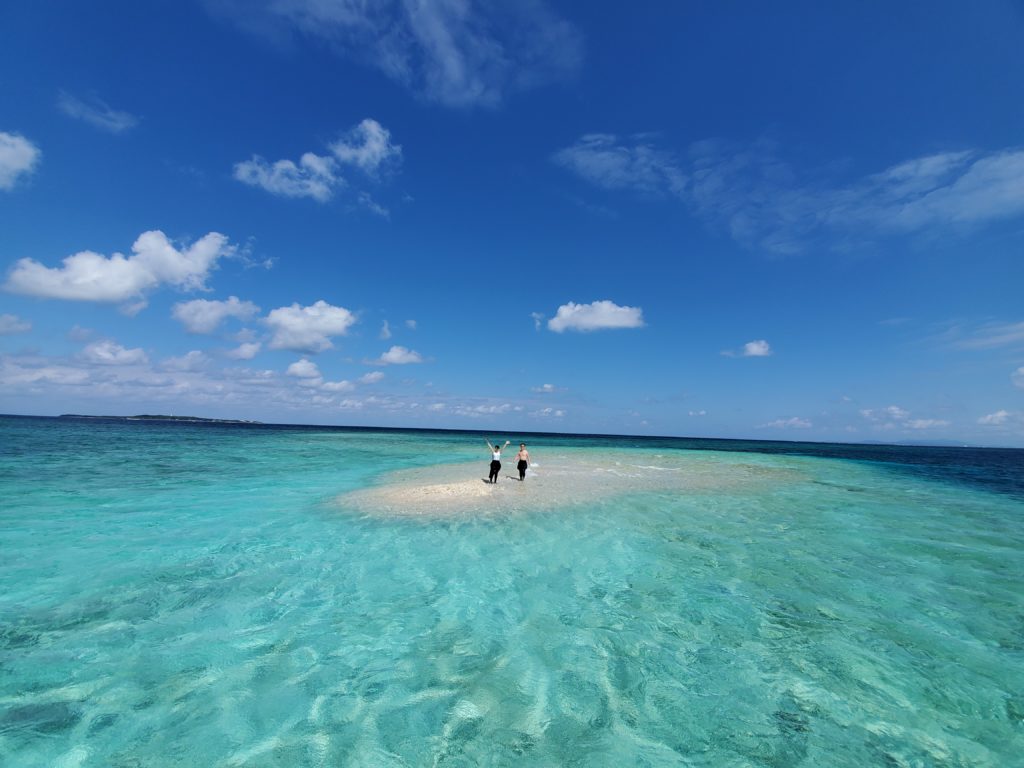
x=194, y=595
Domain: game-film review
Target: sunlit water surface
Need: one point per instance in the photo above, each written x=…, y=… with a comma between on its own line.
x=176, y=595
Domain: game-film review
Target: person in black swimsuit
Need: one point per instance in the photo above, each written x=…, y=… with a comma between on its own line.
x=495, y=460
x=522, y=461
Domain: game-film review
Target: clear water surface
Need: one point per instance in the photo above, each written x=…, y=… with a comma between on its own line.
x=182, y=595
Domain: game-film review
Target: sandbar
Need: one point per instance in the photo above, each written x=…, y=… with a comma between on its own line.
x=562, y=478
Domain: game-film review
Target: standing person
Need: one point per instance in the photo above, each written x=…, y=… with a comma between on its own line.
x=496, y=460
x=522, y=461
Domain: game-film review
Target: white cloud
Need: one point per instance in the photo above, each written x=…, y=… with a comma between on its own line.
x=204, y=315
x=758, y=348
x=892, y=412
x=1017, y=377
x=548, y=413
x=313, y=176
x=699, y=413
x=11, y=324
x=304, y=369
x=538, y=318
x=245, y=351
x=18, y=157
x=367, y=147
x=88, y=276
x=371, y=378
x=545, y=388
x=595, y=316
x=385, y=331
x=191, y=361
x=927, y=423
x=410, y=324
x=995, y=419
x=399, y=356
x=604, y=160
x=794, y=422
x=111, y=353
x=308, y=329
x=459, y=53
x=337, y=386
x=96, y=113
x=992, y=336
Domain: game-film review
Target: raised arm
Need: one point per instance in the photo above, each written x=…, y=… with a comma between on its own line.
x=489, y=446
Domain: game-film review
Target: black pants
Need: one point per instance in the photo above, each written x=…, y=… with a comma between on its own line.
x=495, y=469
x=521, y=466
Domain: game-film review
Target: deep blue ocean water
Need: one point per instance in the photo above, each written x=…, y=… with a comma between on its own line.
x=197, y=594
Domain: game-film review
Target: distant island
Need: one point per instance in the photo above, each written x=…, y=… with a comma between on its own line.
x=159, y=417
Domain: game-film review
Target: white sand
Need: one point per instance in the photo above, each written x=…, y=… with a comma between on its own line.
x=560, y=479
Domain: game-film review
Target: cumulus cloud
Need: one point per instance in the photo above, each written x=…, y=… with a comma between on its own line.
x=304, y=369
x=892, y=412
x=399, y=356
x=545, y=388
x=548, y=413
x=597, y=315
x=95, y=112
x=89, y=276
x=308, y=329
x=244, y=351
x=606, y=161
x=385, y=331
x=112, y=353
x=371, y=378
x=756, y=348
x=313, y=176
x=794, y=422
x=11, y=324
x=18, y=158
x=204, y=315
x=367, y=147
x=460, y=54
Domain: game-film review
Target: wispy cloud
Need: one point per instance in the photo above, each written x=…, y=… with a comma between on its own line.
x=96, y=113
x=12, y=324
x=456, y=52
x=598, y=315
x=988, y=336
x=111, y=353
x=367, y=147
x=18, y=158
x=794, y=422
x=766, y=202
x=612, y=163
x=1017, y=377
x=894, y=417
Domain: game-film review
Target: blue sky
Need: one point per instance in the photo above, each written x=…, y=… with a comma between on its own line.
x=712, y=219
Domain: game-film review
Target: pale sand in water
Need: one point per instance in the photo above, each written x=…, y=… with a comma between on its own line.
x=562, y=478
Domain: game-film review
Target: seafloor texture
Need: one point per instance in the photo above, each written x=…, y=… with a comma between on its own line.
x=198, y=595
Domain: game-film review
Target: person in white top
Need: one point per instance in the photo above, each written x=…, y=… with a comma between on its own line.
x=496, y=459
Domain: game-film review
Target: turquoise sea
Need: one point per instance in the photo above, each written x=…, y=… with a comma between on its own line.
x=205, y=595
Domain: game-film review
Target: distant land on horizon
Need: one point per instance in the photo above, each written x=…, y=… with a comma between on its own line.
x=157, y=417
